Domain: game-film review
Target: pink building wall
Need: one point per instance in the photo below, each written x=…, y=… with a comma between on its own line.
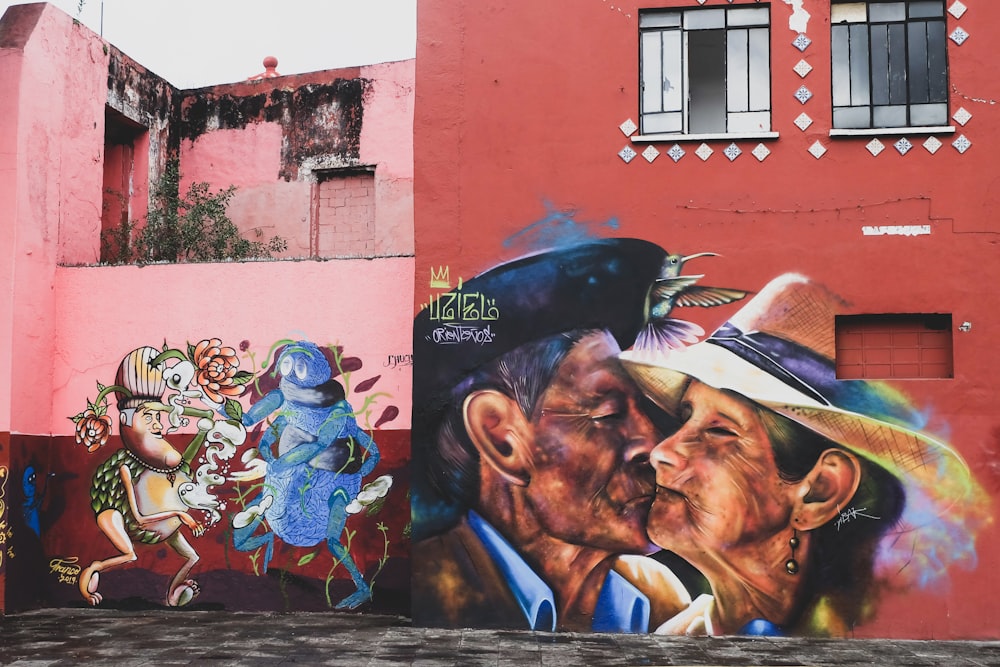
x=67, y=323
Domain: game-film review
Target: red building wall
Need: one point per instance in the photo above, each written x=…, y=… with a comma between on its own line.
x=517, y=141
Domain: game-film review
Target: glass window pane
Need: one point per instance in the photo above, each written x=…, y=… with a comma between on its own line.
x=652, y=72
x=937, y=63
x=737, y=71
x=753, y=121
x=707, y=80
x=859, y=65
x=705, y=19
x=897, y=64
x=849, y=12
x=928, y=114
x=916, y=65
x=894, y=116
x=749, y=16
x=841, y=66
x=851, y=118
x=926, y=8
x=760, y=69
x=659, y=19
x=661, y=122
x=887, y=11
x=880, y=63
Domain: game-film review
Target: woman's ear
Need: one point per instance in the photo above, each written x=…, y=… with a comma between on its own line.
x=826, y=489
x=501, y=434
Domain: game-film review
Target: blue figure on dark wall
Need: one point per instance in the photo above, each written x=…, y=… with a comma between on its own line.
x=34, y=496
x=322, y=455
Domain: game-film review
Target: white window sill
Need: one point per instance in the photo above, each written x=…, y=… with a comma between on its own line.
x=736, y=136
x=893, y=131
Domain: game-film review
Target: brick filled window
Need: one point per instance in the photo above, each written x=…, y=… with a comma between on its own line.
x=706, y=70
x=890, y=65
x=894, y=346
x=345, y=213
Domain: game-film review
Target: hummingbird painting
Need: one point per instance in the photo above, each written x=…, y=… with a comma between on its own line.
x=671, y=289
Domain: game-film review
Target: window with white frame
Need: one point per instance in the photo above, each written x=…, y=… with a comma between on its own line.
x=890, y=65
x=705, y=70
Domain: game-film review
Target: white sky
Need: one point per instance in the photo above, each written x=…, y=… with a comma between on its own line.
x=194, y=43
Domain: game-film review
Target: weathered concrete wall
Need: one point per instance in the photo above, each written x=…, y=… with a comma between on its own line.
x=273, y=138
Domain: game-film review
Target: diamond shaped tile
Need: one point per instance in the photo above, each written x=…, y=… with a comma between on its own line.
x=627, y=154
x=962, y=143
x=701, y=2
x=628, y=127
x=760, y=152
x=958, y=36
x=650, y=153
x=932, y=145
x=818, y=150
x=704, y=152
x=962, y=116
x=875, y=146
x=903, y=146
x=802, y=42
x=957, y=9
x=802, y=68
x=732, y=151
x=803, y=121
x=803, y=94
x=676, y=152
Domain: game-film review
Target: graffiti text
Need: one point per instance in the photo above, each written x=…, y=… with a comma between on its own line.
x=896, y=230
x=395, y=360
x=66, y=569
x=452, y=334
x=851, y=514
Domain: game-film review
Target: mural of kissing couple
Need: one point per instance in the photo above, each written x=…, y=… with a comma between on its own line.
x=692, y=484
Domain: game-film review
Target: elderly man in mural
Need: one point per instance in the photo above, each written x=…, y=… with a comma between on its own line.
x=531, y=451
x=790, y=490
x=143, y=492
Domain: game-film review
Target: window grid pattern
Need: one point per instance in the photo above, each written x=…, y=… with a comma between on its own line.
x=705, y=70
x=894, y=346
x=889, y=64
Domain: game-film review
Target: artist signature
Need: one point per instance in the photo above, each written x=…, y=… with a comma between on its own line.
x=849, y=515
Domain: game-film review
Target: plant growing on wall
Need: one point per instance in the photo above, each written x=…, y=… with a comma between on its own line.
x=193, y=227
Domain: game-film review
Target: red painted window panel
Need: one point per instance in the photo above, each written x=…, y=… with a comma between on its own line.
x=894, y=346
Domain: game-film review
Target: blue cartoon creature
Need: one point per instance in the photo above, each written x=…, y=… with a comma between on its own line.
x=316, y=472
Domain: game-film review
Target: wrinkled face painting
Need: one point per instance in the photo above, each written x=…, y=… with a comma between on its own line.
x=592, y=482
x=718, y=486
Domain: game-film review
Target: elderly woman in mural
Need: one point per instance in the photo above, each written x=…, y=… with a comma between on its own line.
x=784, y=485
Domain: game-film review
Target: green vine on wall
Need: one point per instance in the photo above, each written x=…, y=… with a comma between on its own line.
x=193, y=227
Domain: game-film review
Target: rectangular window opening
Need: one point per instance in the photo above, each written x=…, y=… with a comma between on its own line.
x=894, y=346
x=343, y=221
x=125, y=185
x=889, y=64
x=705, y=70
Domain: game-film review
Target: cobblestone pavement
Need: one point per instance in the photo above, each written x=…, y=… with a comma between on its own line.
x=102, y=637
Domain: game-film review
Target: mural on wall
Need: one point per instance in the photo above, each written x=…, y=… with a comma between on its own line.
x=691, y=484
x=289, y=466
x=6, y=532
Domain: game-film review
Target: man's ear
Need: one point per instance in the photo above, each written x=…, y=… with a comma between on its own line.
x=501, y=433
x=825, y=491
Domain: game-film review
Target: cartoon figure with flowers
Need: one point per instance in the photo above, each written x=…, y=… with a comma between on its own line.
x=145, y=491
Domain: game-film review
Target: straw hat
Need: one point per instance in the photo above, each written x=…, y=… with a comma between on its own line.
x=778, y=351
